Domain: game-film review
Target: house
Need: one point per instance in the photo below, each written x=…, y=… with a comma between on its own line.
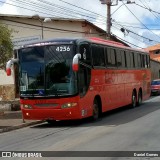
x=154, y=52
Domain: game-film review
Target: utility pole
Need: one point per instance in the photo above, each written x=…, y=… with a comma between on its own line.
x=108, y=29
x=110, y=3
x=108, y=23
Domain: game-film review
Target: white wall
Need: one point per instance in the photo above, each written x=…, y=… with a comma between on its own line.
x=4, y=79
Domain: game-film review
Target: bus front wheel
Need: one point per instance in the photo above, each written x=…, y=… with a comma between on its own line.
x=96, y=110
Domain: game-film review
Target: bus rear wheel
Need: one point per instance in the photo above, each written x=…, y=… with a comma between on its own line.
x=139, y=102
x=134, y=100
x=96, y=110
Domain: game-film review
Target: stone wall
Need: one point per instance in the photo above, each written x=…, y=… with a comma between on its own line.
x=7, y=92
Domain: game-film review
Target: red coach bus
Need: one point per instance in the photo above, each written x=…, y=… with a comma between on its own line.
x=65, y=79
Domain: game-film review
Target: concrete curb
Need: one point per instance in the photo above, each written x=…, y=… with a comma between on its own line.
x=11, y=114
x=20, y=126
x=12, y=105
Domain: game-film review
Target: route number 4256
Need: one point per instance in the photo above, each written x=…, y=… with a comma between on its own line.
x=63, y=49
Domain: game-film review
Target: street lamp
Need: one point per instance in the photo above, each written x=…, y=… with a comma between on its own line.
x=42, y=20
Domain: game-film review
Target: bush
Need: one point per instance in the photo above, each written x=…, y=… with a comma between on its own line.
x=6, y=46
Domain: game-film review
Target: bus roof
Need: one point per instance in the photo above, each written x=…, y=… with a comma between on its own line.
x=114, y=44
x=78, y=40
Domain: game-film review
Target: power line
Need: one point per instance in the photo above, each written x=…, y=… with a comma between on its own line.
x=117, y=9
x=126, y=41
x=135, y=33
x=139, y=27
x=149, y=9
x=66, y=9
x=137, y=39
x=138, y=23
x=60, y=11
x=69, y=12
x=139, y=20
x=27, y=8
x=82, y=8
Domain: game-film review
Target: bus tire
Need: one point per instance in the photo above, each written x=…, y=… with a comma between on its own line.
x=96, y=110
x=139, y=102
x=134, y=100
x=52, y=122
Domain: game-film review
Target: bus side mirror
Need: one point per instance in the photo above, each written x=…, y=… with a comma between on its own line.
x=75, y=63
x=8, y=71
x=8, y=66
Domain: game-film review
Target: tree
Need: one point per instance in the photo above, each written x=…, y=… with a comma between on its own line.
x=6, y=46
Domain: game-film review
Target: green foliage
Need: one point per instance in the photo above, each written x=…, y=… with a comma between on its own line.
x=6, y=46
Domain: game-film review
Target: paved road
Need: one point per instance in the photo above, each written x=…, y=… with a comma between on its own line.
x=121, y=130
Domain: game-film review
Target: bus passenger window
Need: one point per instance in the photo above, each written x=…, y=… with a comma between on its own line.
x=111, y=58
x=139, y=60
x=118, y=58
x=123, y=55
x=98, y=56
x=148, y=61
x=128, y=59
x=132, y=59
x=142, y=61
x=136, y=60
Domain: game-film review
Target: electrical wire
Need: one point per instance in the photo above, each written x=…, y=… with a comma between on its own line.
x=136, y=33
x=131, y=36
x=140, y=21
x=149, y=10
x=126, y=41
x=47, y=7
x=82, y=8
x=59, y=9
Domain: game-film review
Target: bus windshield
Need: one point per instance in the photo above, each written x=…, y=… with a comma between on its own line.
x=47, y=71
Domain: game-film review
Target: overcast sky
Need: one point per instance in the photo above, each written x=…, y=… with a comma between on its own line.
x=140, y=22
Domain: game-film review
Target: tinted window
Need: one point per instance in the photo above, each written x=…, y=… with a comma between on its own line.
x=132, y=59
x=128, y=59
x=143, y=61
x=47, y=70
x=139, y=60
x=155, y=83
x=148, y=61
x=98, y=55
x=136, y=60
x=123, y=55
x=119, y=58
x=110, y=57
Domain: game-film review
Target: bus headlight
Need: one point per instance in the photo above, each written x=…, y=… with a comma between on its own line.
x=26, y=106
x=68, y=105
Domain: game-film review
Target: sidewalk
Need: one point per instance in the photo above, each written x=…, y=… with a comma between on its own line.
x=11, y=120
